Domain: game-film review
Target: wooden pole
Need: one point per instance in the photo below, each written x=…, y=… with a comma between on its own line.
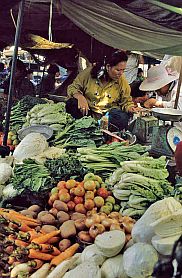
x=178, y=89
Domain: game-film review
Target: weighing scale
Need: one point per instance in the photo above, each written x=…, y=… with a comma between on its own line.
x=166, y=136
x=143, y=125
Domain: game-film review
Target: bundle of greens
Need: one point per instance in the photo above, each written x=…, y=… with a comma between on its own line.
x=19, y=111
x=31, y=176
x=139, y=183
x=66, y=167
x=104, y=159
x=81, y=133
x=52, y=114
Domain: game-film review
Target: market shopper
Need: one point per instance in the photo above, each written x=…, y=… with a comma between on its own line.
x=164, y=82
x=23, y=86
x=178, y=158
x=48, y=81
x=100, y=89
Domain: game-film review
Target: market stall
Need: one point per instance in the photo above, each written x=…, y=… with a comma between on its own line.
x=77, y=201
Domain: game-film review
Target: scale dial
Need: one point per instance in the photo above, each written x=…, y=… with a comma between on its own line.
x=174, y=136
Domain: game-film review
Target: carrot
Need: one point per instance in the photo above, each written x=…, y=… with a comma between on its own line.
x=44, y=248
x=33, y=254
x=46, y=237
x=11, y=237
x=21, y=226
x=54, y=239
x=29, y=236
x=68, y=253
x=35, y=264
x=21, y=243
x=56, y=251
x=12, y=215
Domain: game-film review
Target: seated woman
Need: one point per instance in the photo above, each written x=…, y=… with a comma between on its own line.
x=100, y=89
x=138, y=96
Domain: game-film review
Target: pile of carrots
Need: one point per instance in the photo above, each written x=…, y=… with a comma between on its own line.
x=23, y=243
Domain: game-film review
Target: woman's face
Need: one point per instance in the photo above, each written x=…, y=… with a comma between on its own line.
x=163, y=91
x=115, y=72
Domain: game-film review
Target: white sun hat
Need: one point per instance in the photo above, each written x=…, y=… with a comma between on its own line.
x=157, y=77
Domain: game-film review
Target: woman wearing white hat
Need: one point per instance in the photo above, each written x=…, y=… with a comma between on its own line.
x=164, y=82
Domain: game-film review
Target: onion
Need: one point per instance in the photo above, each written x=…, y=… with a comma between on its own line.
x=107, y=222
x=115, y=227
x=102, y=216
x=96, y=230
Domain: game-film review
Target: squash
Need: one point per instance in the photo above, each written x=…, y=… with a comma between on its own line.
x=110, y=243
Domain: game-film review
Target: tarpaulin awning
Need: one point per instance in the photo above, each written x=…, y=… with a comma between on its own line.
x=115, y=26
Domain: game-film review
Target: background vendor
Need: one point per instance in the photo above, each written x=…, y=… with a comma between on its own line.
x=164, y=82
x=102, y=88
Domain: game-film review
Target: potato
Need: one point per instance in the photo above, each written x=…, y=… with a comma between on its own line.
x=60, y=206
x=48, y=228
x=80, y=224
x=53, y=211
x=64, y=244
x=68, y=229
x=62, y=216
x=48, y=219
x=77, y=215
x=35, y=208
x=29, y=213
x=44, y=212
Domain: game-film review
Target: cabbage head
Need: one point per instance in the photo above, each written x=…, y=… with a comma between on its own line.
x=139, y=260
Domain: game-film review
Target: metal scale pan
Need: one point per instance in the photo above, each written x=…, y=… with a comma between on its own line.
x=167, y=114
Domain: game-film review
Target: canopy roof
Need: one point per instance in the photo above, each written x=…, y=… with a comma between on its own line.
x=96, y=26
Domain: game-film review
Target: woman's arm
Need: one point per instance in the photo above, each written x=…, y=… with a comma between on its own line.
x=77, y=90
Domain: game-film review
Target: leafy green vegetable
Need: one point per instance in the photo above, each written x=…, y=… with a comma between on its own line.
x=32, y=176
x=82, y=132
x=65, y=167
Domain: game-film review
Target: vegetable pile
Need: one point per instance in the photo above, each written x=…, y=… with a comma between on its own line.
x=90, y=206
x=19, y=111
x=50, y=114
x=25, y=247
x=139, y=183
x=104, y=159
x=81, y=133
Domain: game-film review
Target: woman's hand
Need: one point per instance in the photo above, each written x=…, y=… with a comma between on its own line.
x=82, y=103
x=134, y=109
x=151, y=102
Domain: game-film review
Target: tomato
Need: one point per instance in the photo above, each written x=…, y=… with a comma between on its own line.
x=78, y=200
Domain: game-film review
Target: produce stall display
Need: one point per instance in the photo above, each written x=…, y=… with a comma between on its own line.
x=72, y=206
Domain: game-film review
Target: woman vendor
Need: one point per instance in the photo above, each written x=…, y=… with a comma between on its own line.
x=100, y=89
x=164, y=82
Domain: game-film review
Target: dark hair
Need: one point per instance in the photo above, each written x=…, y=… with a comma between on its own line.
x=135, y=91
x=112, y=60
x=1, y=67
x=139, y=70
x=53, y=69
x=19, y=65
x=29, y=71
